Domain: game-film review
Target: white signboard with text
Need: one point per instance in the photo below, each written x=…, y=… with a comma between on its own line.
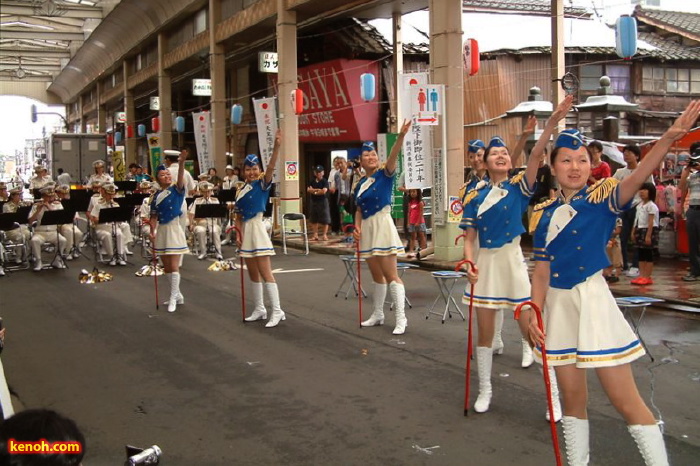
x=202, y=139
x=417, y=146
x=201, y=87
x=266, y=120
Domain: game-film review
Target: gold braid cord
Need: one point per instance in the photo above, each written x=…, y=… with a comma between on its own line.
x=601, y=190
x=517, y=178
x=537, y=213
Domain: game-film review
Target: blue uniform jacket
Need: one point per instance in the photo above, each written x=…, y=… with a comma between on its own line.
x=168, y=204
x=252, y=198
x=373, y=193
x=572, y=237
x=496, y=211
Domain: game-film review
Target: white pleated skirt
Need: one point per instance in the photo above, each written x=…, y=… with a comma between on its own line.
x=256, y=241
x=379, y=236
x=585, y=327
x=503, y=279
x=170, y=238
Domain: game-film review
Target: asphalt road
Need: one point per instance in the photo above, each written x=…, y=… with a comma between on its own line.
x=317, y=390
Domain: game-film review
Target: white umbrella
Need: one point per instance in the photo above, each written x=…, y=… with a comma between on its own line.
x=613, y=153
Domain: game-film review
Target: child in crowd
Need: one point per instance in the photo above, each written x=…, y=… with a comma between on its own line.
x=416, y=221
x=646, y=233
x=614, y=254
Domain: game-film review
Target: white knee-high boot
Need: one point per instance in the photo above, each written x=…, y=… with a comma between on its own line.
x=174, y=279
x=528, y=357
x=377, y=317
x=259, y=311
x=651, y=445
x=556, y=404
x=484, y=360
x=497, y=344
x=576, y=440
x=398, y=296
x=273, y=295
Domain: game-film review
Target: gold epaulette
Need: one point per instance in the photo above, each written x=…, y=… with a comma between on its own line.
x=262, y=175
x=462, y=192
x=537, y=212
x=601, y=190
x=239, y=184
x=471, y=195
x=516, y=179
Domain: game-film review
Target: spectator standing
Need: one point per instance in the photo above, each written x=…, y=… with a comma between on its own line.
x=631, y=154
x=214, y=179
x=599, y=168
x=416, y=221
x=646, y=233
x=690, y=190
x=319, y=211
x=333, y=196
x=63, y=178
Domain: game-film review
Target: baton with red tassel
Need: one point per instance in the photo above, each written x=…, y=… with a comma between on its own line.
x=359, y=276
x=547, y=381
x=470, y=346
x=240, y=238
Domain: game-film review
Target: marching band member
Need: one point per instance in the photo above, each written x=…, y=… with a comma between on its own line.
x=376, y=232
x=493, y=212
x=584, y=328
x=167, y=235
x=230, y=179
x=43, y=234
x=70, y=232
x=104, y=231
x=17, y=235
x=41, y=179
x=203, y=226
x=99, y=175
x=96, y=188
x=256, y=247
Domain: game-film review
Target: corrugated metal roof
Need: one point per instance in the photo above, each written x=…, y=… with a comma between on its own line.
x=542, y=7
x=683, y=23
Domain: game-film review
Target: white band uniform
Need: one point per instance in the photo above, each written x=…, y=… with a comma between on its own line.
x=171, y=239
x=256, y=241
x=379, y=236
x=492, y=291
x=585, y=327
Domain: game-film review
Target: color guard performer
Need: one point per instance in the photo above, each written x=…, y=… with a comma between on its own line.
x=584, y=328
x=43, y=234
x=104, y=231
x=257, y=248
x=205, y=228
x=494, y=211
x=167, y=234
x=99, y=175
x=376, y=232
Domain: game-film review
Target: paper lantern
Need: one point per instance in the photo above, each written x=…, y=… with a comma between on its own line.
x=155, y=124
x=117, y=137
x=180, y=124
x=110, y=140
x=297, y=101
x=141, y=130
x=129, y=131
x=368, y=85
x=625, y=36
x=470, y=56
x=236, y=114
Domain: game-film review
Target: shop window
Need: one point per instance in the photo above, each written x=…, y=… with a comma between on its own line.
x=589, y=77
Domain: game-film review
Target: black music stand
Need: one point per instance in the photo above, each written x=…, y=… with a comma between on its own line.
x=74, y=206
x=115, y=215
x=58, y=218
x=128, y=186
x=226, y=195
x=210, y=212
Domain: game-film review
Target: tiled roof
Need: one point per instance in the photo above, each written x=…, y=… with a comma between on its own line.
x=681, y=23
x=542, y=7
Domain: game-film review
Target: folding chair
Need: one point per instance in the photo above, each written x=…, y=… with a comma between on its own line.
x=293, y=217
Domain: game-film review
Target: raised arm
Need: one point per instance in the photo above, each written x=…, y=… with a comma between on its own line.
x=390, y=166
x=549, y=127
x=180, y=183
x=630, y=185
x=270, y=169
x=528, y=130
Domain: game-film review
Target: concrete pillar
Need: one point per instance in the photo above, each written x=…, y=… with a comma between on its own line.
x=398, y=71
x=130, y=109
x=218, y=90
x=289, y=122
x=101, y=110
x=558, y=61
x=446, y=68
x=165, y=96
